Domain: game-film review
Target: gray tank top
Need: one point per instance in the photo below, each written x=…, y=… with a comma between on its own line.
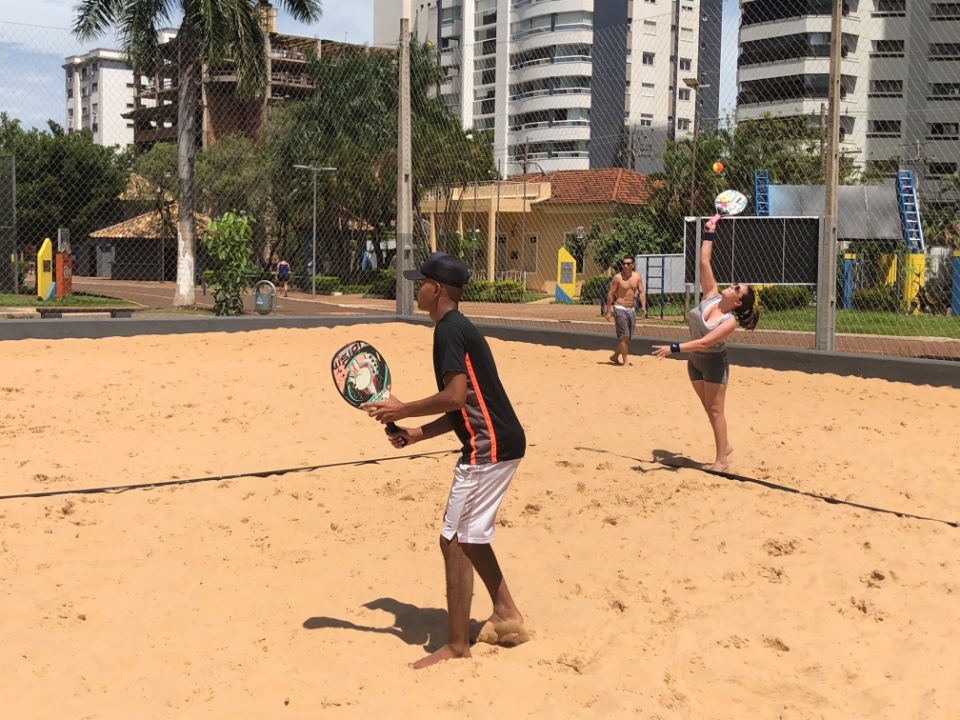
x=699, y=327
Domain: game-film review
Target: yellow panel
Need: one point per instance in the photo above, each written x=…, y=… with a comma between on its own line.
x=566, y=272
x=45, y=269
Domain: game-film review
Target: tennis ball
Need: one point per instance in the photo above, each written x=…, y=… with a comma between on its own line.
x=718, y=167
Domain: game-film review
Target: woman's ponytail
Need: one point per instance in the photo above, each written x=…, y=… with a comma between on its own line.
x=748, y=315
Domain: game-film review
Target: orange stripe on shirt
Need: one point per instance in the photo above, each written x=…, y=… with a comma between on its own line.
x=483, y=409
x=473, y=436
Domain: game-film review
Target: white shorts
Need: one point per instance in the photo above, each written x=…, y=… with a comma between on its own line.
x=475, y=497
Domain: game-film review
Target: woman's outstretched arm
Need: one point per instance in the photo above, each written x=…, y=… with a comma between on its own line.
x=707, y=281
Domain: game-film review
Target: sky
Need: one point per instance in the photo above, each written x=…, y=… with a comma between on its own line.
x=35, y=38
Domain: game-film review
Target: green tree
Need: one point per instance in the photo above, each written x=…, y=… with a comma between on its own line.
x=63, y=180
x=209, y=33
x=154, y=184
x=352, y=125
x=229, y=241
x=637, y=234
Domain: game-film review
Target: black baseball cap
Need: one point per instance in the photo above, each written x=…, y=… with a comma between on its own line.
x=442, y=268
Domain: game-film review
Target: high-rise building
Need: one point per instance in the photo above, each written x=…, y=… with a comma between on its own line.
x=571, y=84
x=99, y=89
x=900, y=79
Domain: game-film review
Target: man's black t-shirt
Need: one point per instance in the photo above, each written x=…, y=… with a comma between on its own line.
x=486, y=425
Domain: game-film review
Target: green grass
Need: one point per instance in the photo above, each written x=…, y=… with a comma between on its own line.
x=529, y=297
x=74, y=300
x=179, y=311
x=864, y=322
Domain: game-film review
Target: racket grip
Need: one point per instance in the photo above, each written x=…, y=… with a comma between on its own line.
x=393, y=430
x=716, y=217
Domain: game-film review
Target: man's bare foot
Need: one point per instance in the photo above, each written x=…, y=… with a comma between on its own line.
x=447, y=652
x=615, y=358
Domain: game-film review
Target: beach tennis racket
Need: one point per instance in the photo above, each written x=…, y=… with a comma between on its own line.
x=729, y=202
x=361, y=375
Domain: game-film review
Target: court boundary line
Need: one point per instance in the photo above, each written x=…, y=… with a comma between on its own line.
x=690, y=465
x=116, y=489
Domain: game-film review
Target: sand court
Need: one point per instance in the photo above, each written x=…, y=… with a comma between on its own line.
x=650, y=591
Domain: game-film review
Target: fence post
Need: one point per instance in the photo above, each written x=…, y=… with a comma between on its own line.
x=955, y=302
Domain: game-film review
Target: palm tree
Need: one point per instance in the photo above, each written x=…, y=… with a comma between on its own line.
x=209, y=32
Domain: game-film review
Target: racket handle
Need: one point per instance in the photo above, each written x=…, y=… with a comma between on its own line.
x=393, y=430
x=716, y=217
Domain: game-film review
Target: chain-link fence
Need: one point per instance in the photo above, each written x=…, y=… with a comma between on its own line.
x=547, y=147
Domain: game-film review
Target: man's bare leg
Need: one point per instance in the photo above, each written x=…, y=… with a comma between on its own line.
x=459, y=574
x=485, y=562
x=624, y=349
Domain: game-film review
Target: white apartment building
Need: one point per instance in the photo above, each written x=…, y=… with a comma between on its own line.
x=569, y=84
x=99, y=89
x=900, y=78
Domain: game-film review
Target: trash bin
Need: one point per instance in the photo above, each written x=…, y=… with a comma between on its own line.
x=265, y=297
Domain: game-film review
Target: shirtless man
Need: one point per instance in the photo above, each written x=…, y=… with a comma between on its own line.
x=623, y=288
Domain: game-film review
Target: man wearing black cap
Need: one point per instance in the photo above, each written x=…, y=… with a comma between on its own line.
x=475, y=406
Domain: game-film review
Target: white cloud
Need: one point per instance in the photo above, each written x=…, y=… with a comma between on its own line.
x=36, y=37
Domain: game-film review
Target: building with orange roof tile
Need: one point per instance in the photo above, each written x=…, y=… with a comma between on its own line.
x=532, y=216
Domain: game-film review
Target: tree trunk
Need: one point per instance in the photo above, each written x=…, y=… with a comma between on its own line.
x=186, y=147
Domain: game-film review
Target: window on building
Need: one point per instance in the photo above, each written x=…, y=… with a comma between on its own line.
x=646, y=89
x=884, y=168
x=683, y=124
x=646, y=120
x=944, y=91
x=944, y=51
x=889, y=8
x=686, y=34
x=684, y=94
x=686, y=64
x=943, y=131
x=649, y=27
x=647, y=58
x=941, y=169
x=887, y=48
x=885, y=88
x=884, y=128
x=945, y=11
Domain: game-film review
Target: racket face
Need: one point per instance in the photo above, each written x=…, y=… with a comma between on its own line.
x=730, y=202
x=360, y=374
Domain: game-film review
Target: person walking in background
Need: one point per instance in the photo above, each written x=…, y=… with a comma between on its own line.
x=711, y=323
x=283, y=276
x=621, y=300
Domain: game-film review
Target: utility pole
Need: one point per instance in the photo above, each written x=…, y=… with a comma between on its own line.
x=827, y=280
x=404, y=175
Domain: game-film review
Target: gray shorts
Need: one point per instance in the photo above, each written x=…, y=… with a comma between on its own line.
x=709, y=367
x=625, y=322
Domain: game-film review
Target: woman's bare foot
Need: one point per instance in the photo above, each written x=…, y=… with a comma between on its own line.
x=447, y=652
x=729, y=449
x=720, y=466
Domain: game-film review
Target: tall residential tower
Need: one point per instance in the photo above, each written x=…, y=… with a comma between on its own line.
x=571, y=84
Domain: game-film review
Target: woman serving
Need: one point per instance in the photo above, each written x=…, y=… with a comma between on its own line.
x=711, y=323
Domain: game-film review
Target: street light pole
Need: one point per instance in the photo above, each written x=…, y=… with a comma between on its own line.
x=313, y=261
x=694, y=85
